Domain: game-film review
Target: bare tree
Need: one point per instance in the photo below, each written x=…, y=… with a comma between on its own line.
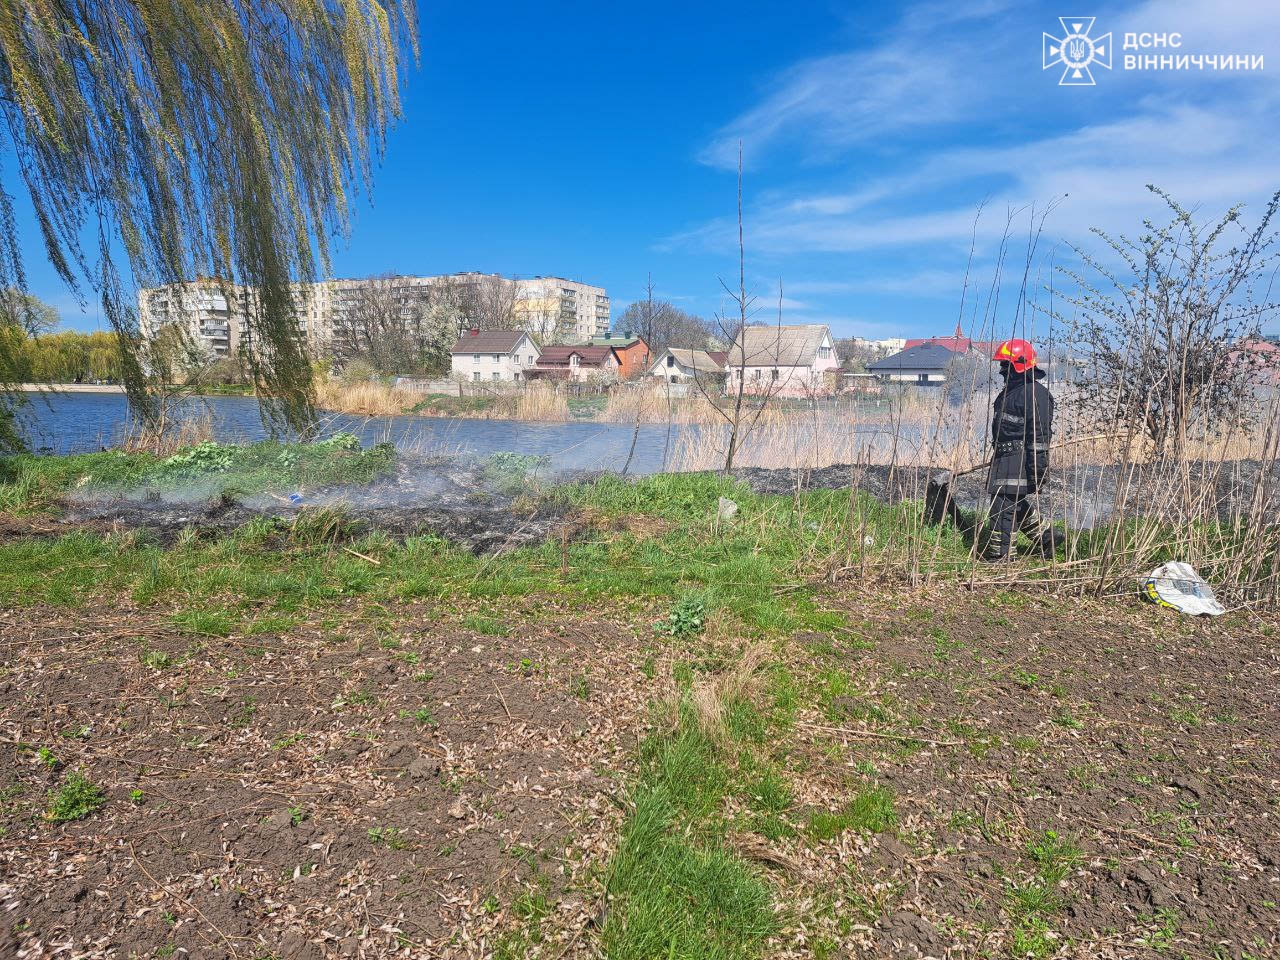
x=1160, y=333
x=663, y=325
x=178, y=366
x=740, y=417
x=489, y=303
x=394, y=327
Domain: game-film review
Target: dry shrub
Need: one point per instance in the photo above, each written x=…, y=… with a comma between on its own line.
x=711, y=698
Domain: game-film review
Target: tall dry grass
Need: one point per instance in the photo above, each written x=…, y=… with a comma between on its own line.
x=533, y=401
x=536, y=401
x=1129, y=506
x=169, y=436
x=369, y=398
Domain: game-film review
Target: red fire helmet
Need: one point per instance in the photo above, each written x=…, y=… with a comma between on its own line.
x=1018, y=354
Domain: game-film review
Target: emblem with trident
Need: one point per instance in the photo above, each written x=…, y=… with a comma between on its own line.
x=1077, y=51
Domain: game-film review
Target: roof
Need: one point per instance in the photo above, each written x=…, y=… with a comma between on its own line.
x=701, y=361
x=954, y=344
x=929, y=355
x=556, y=355
x=619, y=340
x=779, y=346
x=488, y=341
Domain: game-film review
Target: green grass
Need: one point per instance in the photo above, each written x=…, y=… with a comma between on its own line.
x=445, y=405
x=75, y=799
x=271, y=572
x=871, y=810
x=676, y=888
x=1035, y=904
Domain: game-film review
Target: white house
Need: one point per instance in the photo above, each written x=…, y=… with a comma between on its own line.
x=676, y=364
x=493, y=355
x=784, y=361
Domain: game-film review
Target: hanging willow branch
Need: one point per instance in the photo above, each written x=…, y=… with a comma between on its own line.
x=198, y=138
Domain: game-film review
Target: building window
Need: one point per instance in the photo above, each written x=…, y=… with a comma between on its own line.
x=775, y=373
x=824, y=353
x=476, y=375
x=671, y=361
x=497, y=358
x=475, y=358
x=497, y=375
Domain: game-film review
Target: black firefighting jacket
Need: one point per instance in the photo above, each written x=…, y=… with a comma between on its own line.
x=1021, y=431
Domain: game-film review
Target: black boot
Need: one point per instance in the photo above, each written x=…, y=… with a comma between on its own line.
x=1050, y=540
x=996, y=542
x=1044, y=539
x=995, y=546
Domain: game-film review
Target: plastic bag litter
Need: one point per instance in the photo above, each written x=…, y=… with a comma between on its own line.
x=726, y=510
x=1177, y=585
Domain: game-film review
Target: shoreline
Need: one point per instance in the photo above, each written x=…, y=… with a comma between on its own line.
x=70, y=388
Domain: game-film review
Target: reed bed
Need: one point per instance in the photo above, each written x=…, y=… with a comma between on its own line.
x=369, y=398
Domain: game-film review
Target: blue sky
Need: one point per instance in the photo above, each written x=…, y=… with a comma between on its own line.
x=599, y=142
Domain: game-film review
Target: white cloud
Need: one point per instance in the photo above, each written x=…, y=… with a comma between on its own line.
x=920, y=126
x=925, y=72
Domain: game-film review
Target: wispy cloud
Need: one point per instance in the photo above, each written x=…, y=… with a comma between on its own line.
x=914, y=128
x=922, y=73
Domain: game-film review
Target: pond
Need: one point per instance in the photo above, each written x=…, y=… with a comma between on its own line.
x=85, y=422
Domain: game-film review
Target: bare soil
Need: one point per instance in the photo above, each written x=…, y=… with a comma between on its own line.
x=365, y=783
x=1144, y=738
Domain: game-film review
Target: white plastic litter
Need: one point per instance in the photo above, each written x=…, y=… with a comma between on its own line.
x=726, y=510
x=1177, y=585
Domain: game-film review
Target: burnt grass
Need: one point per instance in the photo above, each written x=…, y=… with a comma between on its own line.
x=468, y=503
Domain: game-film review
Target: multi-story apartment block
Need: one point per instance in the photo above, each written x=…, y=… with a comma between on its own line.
x=554, y=307
x=547, y=307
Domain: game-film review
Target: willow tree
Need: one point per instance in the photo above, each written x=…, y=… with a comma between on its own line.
x=168, y=140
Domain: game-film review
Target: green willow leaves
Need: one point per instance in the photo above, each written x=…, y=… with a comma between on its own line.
x=198, y=138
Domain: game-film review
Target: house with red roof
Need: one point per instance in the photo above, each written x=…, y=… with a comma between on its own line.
x=559, y=362
x=956, y=343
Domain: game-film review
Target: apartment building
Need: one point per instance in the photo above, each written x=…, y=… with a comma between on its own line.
x=214, y=312
x=563, y=309
x=546, y=307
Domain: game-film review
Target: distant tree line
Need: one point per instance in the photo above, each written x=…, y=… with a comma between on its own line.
x=662, y=324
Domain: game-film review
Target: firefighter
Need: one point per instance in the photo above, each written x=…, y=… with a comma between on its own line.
x=1021, y=430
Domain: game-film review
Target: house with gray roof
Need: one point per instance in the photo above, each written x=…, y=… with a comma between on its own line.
x=493, y=355
x=677, y=364
x=924, y=364
x=784, y=361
